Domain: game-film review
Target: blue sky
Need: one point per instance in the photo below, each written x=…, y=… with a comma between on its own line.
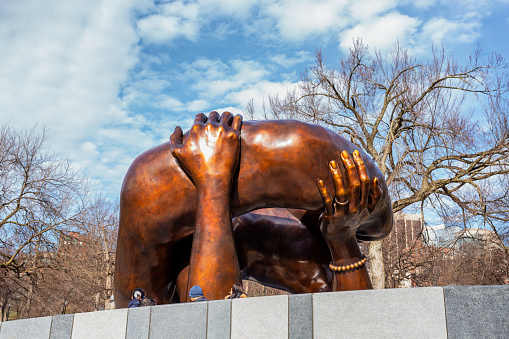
x=113, y=78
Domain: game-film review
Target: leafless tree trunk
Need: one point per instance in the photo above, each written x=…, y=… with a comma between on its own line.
x=376, y=271
x=101, y=224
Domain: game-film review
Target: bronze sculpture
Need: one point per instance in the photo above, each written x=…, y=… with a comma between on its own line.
x=279, y=164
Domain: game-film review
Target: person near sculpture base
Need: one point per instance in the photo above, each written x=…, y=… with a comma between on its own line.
x=196, y=294
x=138, y=299
x=237, y=291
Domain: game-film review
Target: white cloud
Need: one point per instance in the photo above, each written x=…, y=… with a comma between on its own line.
x=370, y=9
x=289, y=61
x=167, y=102
x=88, y=154
x=172, y=20
x=165, y=21
x=145, y=82
x=204, y=68
x=296, y=20
x=235, y=82
x=382, y=32
x=216, y=88
x=249, y=71
x=259, y=93
x=290, y=20
x=126, y=136
x=64, y=67
x=62, y=64
x=440, y=29
x=213, y=78
x=197, y=105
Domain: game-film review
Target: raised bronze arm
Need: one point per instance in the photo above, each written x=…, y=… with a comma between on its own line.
x=209, y=154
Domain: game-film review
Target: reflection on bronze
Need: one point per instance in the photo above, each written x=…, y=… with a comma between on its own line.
x=209, y=154
x=289, y=248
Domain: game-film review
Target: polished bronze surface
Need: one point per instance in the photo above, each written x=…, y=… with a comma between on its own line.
x=280, y=163
x=209, y=155
x=356, y=197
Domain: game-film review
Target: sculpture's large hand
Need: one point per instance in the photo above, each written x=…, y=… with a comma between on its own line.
x=211, y=149
x=355, y=198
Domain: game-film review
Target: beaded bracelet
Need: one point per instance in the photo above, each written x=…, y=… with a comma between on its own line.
x=348, y=267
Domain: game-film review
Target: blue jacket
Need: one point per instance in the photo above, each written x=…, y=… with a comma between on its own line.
x=133, y=303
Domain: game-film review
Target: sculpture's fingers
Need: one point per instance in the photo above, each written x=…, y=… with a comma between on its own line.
x=375, y=195
x=339, y=184
x=200, y=119
x=354, y=184
x=363, y=177
x=226, y=119
x=213, y=118
x=327, y=200
x=237, y=122
x=176, y=141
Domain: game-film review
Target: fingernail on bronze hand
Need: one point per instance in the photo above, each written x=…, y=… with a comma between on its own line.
x=327, y=200
x=363, y=178
x=341, y=196
x=353, y=182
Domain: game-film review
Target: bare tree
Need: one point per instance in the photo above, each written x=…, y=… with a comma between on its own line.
x=76, y=277
x=39, y=196
x=44, y=201
x=437, y=129
x=250, y=110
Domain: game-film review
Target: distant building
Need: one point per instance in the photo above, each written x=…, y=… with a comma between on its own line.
x=440, y=235
x=402, y=246
x=407, y=229
x=411, y=247
x=474, y=236
x=456, y=238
